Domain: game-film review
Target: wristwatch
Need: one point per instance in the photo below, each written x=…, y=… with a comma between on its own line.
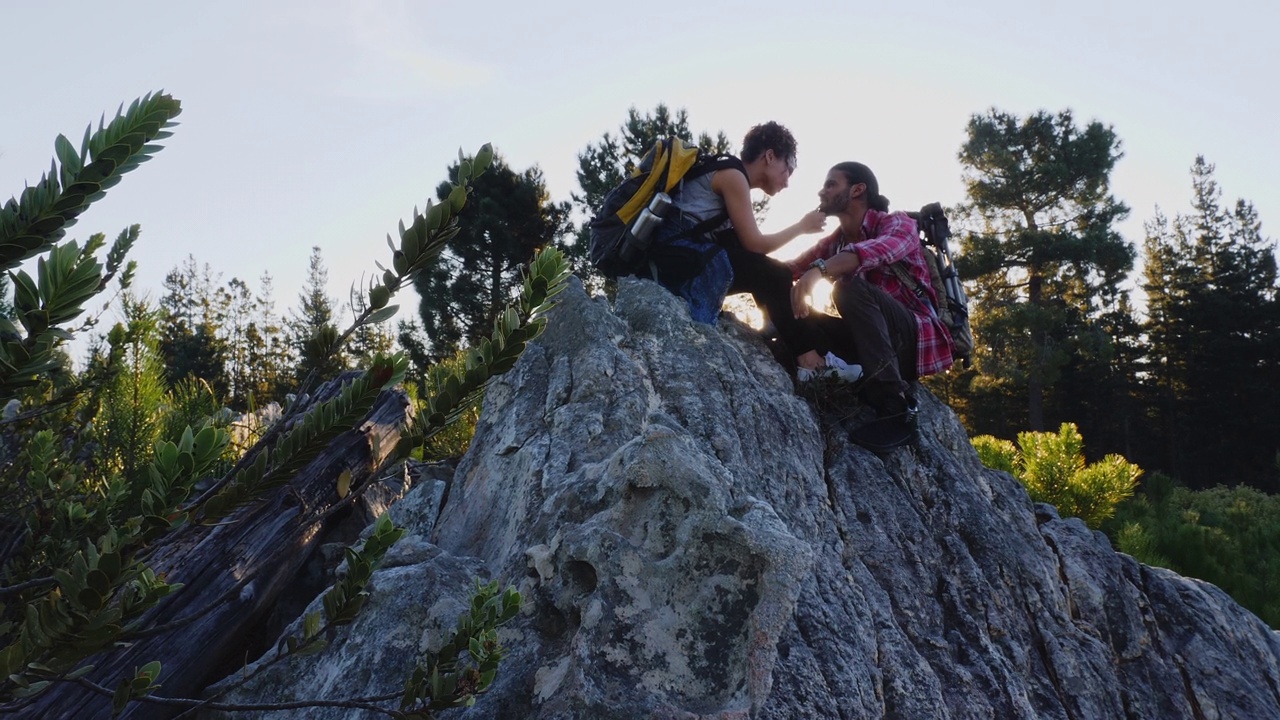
x=821, y=265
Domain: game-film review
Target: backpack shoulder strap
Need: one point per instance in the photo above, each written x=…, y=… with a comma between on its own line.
x=902, y=270
x=716, y=162
x=899, y=268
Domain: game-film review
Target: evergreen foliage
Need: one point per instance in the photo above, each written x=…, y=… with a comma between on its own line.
x=128, y=423
x=1213, y=351
x=258, y=356
x=1053, y=470
x=192, y=316
x=368, y=341
x=74, y=573
x=1044, y=257
x=453, y=441
x=313, y=330
x=1227, y=536
x=511, y=218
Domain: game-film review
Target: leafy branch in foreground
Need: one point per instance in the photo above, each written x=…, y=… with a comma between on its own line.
x=448, y=678
x=456, y=387
x=464, y=667
x=75, y=578
x=30, y=225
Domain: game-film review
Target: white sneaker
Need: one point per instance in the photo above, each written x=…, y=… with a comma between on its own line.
x=847, y=372
x=836, y=369
x=804, y=374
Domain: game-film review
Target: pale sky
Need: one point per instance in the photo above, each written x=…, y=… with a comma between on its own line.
x=325, y=122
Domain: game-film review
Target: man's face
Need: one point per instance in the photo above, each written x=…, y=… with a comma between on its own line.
x=835, y=194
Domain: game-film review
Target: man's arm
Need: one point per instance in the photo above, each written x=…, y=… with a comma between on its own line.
x=895, y=236
x=838, y=265
x=824, y=248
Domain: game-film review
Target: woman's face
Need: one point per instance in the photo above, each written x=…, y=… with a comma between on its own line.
x=777, y=172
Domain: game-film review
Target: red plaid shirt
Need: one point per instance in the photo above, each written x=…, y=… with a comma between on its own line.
x=892, y=237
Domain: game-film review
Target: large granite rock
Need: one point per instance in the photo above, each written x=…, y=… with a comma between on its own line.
x=692, y=541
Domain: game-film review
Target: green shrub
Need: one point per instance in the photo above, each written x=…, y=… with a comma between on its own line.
x=1227, y=536
x=452, y=441
x=1052, y=469
x=997, y=454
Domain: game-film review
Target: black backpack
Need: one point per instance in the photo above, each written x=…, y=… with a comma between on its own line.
x=615, y=250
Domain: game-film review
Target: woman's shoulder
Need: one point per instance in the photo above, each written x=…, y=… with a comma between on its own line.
x=731, y=174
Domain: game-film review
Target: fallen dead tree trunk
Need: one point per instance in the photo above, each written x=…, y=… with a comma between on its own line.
x=232, y=573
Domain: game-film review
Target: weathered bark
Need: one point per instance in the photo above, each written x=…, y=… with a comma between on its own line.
x=1039, y=343
x=235, y=570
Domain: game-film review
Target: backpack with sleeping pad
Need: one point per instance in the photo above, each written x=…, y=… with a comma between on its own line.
x=954, y=305
x=640, y=229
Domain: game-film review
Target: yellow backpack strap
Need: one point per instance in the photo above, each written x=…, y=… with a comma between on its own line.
x=682, y=159
x=658, y=171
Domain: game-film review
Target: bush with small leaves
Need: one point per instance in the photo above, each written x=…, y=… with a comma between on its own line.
x=1227, y=536
x=1053, y=470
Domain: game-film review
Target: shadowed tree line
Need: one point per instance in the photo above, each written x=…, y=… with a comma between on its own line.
x=1184, y=386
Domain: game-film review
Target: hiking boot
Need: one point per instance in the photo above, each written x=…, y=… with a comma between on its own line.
x=895, y=424
x=904, y=409
x=882, y=435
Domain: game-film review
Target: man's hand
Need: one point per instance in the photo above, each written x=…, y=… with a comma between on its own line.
x=801, y=291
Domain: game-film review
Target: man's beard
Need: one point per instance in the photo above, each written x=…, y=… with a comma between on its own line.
x=835, y=205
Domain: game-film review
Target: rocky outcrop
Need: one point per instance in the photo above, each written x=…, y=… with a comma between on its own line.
x=693, y=541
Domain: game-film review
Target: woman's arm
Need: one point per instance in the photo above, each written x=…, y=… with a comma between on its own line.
x=732, y=186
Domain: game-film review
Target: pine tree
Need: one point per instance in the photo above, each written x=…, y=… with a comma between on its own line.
x=312, y=327
x=191, y=341
x=240, y=307
x=270, y=354
x=510, y=216
x=1045, y=255
x=1213, y=330
x=128, y=422
x=368, y=341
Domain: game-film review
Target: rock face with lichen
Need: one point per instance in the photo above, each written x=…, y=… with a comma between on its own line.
x=693, y=541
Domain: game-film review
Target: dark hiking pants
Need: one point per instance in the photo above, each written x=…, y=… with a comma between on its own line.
x=878, y=333
x=769, y=282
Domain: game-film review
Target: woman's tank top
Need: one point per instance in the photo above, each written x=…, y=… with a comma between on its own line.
x=697, y=199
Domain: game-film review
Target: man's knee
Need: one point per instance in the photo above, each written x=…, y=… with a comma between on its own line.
x=852, y=293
